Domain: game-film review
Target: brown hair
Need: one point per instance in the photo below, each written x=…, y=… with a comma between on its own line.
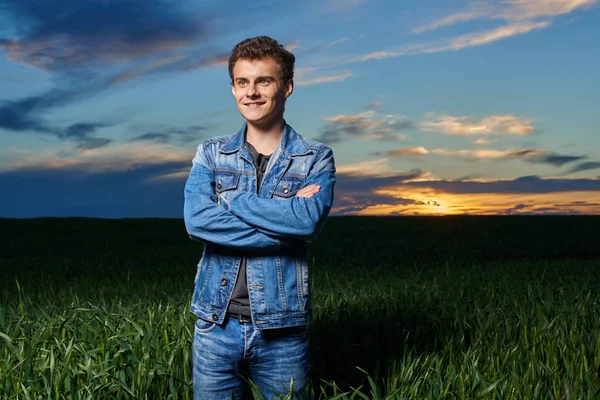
x=263, y=46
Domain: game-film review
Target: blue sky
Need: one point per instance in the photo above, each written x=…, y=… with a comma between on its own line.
x=431, y=108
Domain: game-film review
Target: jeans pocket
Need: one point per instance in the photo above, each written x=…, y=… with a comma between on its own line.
x=202, y=326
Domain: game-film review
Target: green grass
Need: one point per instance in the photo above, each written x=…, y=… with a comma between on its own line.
x=406, y=308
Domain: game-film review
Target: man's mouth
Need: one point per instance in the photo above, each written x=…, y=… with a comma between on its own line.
x=254, y=104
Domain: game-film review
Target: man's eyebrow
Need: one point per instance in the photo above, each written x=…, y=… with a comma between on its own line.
x=267, y=77
x=258, y=78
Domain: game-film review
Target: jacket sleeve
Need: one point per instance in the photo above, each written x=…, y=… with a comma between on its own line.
x=298, y=218
x=208, y=221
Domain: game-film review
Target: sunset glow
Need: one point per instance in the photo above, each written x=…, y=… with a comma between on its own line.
x=431, y=109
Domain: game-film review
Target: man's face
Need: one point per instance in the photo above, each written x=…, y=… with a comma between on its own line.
x=259, y=90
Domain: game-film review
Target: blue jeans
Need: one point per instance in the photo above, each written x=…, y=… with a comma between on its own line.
x=223, y=354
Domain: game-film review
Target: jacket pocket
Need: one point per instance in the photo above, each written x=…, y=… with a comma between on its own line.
x=288, y=187
x=226, y=181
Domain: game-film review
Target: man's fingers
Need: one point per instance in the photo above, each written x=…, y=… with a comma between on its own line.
x=308, y=191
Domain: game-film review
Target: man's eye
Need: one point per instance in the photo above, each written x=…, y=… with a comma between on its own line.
x=264, y=82
x=242, y=83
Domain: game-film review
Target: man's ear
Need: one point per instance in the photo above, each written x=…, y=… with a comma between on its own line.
x=289, y=88
x=232, y=90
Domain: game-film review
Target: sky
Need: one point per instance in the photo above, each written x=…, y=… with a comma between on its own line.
x=431, y=108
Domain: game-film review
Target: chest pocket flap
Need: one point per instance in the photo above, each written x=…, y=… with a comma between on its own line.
x=225, y=180
x=288, y=187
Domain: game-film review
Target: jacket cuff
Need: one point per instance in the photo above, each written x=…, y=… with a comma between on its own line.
x=225, y=199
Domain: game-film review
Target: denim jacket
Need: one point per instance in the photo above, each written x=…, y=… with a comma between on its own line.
x=270, y=228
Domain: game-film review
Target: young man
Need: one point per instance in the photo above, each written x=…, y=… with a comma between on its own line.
x=255, y=199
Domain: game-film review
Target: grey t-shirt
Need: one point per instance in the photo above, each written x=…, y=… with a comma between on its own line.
x=240, y=301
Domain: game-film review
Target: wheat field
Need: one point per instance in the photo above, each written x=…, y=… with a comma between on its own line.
x=403, y=308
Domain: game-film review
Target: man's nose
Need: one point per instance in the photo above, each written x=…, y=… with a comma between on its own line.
x=251, y=92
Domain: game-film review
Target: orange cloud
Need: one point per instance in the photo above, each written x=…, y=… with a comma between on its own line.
x=482, y=141
x=409, y=151
x=427, y=202
x=467, y=125
x=417, y=192
x=373, y=168
x=115, y=158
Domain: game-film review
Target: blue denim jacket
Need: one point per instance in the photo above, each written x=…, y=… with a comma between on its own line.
x=270, y=228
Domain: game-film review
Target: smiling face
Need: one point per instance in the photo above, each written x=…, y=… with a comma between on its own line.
x=259, y=91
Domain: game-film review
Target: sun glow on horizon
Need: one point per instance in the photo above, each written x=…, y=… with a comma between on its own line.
x=425, y=201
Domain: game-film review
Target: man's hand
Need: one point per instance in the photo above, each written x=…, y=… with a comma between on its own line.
x=308, y=191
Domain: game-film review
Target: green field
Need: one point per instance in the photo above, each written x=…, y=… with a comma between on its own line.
x=407, y=307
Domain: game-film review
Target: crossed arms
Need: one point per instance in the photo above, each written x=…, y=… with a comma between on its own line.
x=245, y=221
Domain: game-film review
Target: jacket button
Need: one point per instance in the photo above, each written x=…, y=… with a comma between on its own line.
x=218, y=186
x=285, y=190
x=224, y=281
x=215, y=317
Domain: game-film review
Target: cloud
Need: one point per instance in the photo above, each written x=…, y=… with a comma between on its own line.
x=91, y=47
x=520, y=17
x=172, y=135
x=120, y=156
x=217, y=60
x=417, y=192
x=317, y=48
x=545, y=157
x=146, y=180
x=356, y=189
x=535, y=156
x=482, y=141
x=511, y=10
x=486, y=37
x=291, y=46
x=408, y=152
x=578, y=204
x=134, y=72
x=467, y=125
x=585, y=167
x=26, y=116
x=378, y=167
x=307, y=76
x=15, y=116
x=453, y=44
x=365, y=125
x=351, y=203
x=375, y=104
x=21, y=115
x=82, y=44
x=525, y=184
x=462, y=16
x=71, y=34
x=138, y=179
x=81, y=132
x=323, y=79
x=109, y=193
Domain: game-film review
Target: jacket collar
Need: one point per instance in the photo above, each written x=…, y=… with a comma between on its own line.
x=292, y=144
